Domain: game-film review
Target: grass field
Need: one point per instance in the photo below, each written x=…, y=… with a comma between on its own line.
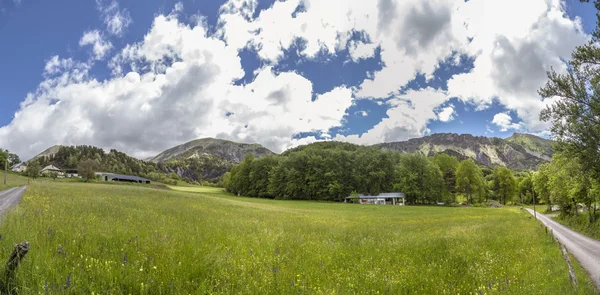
x=196, y=189
x=103, y=239
x=12, y=180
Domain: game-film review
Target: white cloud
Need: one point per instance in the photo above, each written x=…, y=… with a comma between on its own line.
x=100, y=46
x=446, y=114
x=407, y=118
x=511, y=58
x=115, y=19
x=166, y=104
x=505, y=123
x=181, y=80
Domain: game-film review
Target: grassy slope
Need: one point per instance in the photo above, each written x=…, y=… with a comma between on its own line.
x=12, y=180
x=128, y=239
x=581, y=224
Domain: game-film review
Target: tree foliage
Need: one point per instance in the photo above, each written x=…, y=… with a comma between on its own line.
x=331, y=171
x=87, y=169
x=33, y=169
x=575, y=115
x=505, y=185
x=470, y=181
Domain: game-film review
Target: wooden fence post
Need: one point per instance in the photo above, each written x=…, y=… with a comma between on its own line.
x=10, y=272
x=572, y=277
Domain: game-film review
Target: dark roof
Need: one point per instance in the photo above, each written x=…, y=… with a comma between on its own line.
x=382, y=196
x=127, y=177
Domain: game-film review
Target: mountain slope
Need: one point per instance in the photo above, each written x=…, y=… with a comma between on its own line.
x=229, y=150
x=206, y=159
x=49, y=152
x=520, y=151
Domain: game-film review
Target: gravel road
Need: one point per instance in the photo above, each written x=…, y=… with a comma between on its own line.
x=585, y=249
x=10, y=197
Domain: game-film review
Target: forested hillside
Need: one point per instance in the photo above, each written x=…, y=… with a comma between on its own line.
x=333, y=171
x=68, y=157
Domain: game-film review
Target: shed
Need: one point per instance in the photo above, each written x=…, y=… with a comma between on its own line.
x=381, y=199
x=124, y=178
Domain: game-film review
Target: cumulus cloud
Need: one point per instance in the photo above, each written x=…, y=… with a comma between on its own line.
x=143, y=112
x=407, y=117
x=446, y=114
x=505, y=123
x=178, y=83
x=100, y=46
x=511, y=58
x=115, y=19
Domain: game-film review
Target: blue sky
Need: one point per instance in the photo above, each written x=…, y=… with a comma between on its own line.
x=370, y=97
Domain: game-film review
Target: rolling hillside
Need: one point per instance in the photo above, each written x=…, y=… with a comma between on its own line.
x=228, y=150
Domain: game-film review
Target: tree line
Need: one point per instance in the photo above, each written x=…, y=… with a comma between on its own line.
x=332, y=171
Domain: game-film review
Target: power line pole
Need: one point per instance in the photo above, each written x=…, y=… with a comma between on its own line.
x=5, y=169
x=534, y=212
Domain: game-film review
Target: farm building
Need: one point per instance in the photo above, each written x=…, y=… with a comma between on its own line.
x=51, y=169
x=21, y=167
x=123, y=178
x=381, y=199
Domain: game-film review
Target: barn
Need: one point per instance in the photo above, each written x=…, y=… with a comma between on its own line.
x=123, y=178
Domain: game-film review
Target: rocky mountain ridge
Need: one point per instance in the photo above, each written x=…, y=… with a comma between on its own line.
x=520, y=151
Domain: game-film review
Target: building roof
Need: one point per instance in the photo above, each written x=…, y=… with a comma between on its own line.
x=127, y=177
x=15, y=166
x=51, y=167
x=381, y=196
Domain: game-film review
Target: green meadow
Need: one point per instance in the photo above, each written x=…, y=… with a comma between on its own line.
x=12, y=180
x=109, y=239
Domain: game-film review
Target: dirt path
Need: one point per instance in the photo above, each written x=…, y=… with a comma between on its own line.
x=10, y=197
x=585, y=249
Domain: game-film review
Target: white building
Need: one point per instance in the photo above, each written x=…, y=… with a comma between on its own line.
x=21, y=167
x=381, y=199
x=52, y=169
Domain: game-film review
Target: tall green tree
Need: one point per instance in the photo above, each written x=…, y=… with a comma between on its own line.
x=526, y=190
x=13, y=159
x=3, y=158
x=505, y=184
x=575, y=115
x=448, y=165
x=541, y=185
x=419, y=179
x=33, y=169
x=469, y=180
x=87, y=169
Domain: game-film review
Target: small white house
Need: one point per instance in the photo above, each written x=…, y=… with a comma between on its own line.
x=381, y=199
x=21, y=167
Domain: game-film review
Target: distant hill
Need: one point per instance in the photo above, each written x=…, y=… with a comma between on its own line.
x=206, y=158
x=228, y=150
x=49, y=152
x=520, y=151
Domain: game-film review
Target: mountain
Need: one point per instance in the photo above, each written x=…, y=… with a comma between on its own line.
x=229, y=150
x=49, y=152
x=520, y=151
x=206, y=159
